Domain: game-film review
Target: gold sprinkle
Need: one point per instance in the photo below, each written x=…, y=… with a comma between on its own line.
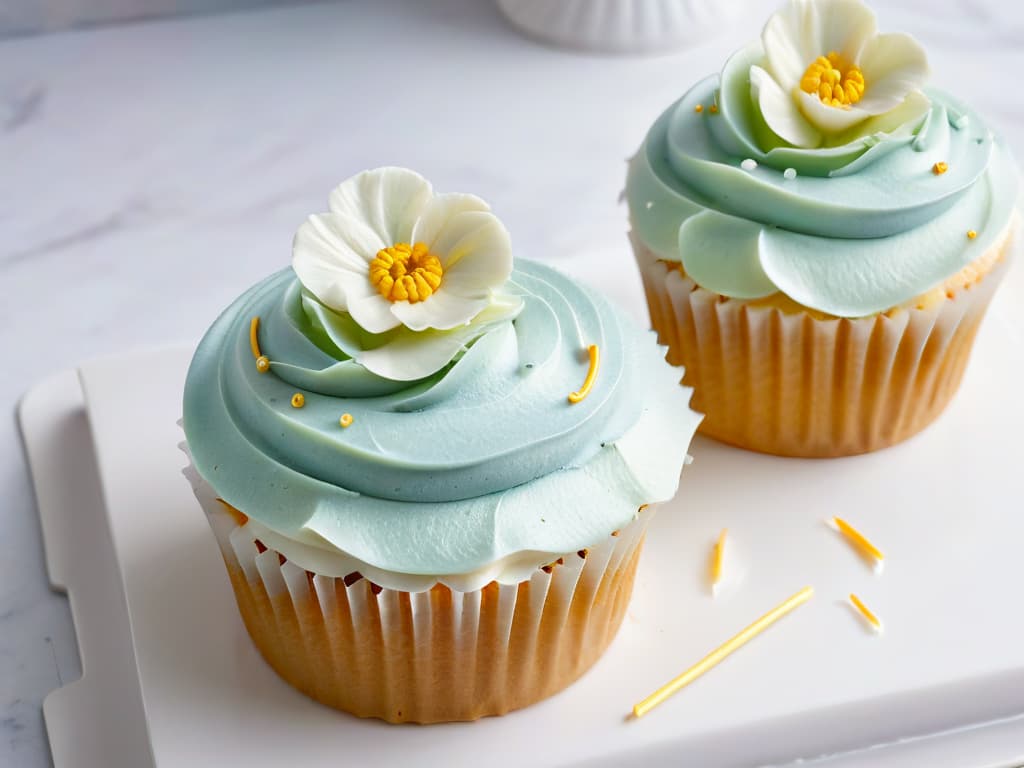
x=588, y=382
x=717, y=559
x=713, y=109
x=971, y=234
x=720, y=653
x=860, y=541
x=262, y=363
x=254, y=342
x=699, y=108
x=346, y=420
x=940, y=168
x=864, y=611
x=298, y=400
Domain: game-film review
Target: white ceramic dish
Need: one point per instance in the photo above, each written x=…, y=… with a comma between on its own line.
x=945, y=506
x=621, y=26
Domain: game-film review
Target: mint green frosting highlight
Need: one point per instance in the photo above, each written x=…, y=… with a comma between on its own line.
x=445, y=475
x=865, y=225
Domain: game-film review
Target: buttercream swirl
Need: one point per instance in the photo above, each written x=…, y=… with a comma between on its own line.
x=444, y=475
x=863, y=226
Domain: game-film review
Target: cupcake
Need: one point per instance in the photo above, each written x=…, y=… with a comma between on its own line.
x=819, y=235
x=429, y=468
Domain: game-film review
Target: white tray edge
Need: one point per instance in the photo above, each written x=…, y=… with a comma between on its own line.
x=97, y=721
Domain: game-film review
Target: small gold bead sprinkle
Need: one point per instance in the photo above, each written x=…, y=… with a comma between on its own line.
x=971, y=234
x=713, y=109
x=940, y=168
x=699, y=108
x=262, y=364
x=298, y=400
x=345, y=420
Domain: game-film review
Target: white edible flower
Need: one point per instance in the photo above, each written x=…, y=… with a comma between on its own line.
x=390, y=252
x=827, y=70
x=399, y=260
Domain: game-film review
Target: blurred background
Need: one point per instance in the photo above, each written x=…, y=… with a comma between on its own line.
x=156, y=157
x=31, y=17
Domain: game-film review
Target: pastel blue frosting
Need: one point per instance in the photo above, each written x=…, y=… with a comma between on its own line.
x=864, y=226
x=482, y=460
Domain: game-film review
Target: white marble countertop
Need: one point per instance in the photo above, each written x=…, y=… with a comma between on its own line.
x=151, y=172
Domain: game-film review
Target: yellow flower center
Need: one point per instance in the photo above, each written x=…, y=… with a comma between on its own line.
x=836, y=83
x=406, y=272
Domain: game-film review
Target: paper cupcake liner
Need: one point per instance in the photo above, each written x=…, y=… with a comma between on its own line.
x=792, y=385
x=437, y=655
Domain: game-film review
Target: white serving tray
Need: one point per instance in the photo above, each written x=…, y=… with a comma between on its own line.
x=170, y=677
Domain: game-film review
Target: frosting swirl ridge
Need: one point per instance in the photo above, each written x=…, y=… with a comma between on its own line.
x=446, y=473
x=854, y=226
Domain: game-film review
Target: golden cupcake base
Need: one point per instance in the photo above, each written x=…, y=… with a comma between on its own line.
x=780, y=379
x=434, y=656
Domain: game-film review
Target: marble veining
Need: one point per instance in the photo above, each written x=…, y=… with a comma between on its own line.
x=151, y=172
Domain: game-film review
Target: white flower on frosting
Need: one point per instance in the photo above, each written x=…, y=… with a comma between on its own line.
x=390, y=252
x=827, y=70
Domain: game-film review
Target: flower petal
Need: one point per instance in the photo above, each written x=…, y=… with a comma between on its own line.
x=331, y=253
x=780, y=112
x=913, y=108
x=388, y=199
x=439, y=211
x=413, y=355
x=803, y=30
x=828, y=119
x=893, y=66
x=373, y=312
x=481, y=237
x=442, y=311
x=846, y=27
x=790, y=40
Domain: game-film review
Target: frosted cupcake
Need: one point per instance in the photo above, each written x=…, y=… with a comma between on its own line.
x=429, y=468
x=819, y=235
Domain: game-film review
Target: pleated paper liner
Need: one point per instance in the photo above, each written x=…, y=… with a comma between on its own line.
x=792, y=385
x=437, y=655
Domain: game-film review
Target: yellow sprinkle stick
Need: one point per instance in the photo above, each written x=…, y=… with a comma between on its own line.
x=262, y=362
x=254, y=342
x=717, y=558
x=595, y=361
x=860, y=541
x=719, y=654
x=864, y=611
